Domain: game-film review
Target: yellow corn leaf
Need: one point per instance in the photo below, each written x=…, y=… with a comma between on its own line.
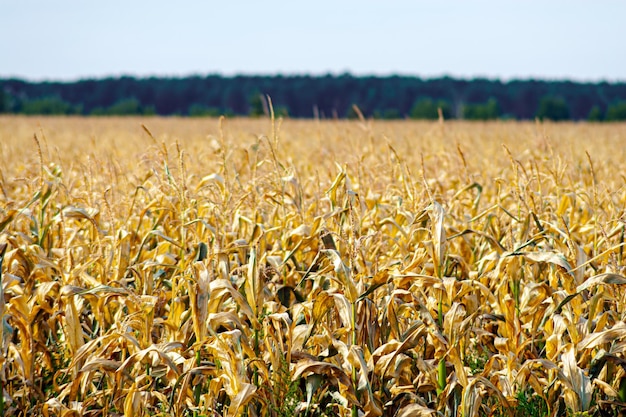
x=607, y=336
x=132, y=403
x=601, y=279
x=218, y=288
x=417, y=331
x=253, y=284
x=555, y=258
x=157, y=355
x=437, y=215
x=472, y=395
x=333, y=372
x=606, y=388
x=243, y=397
x=579, y=381
x=211, y=179
x=199, y=299
x=371, y=406
x=343, y=275
x=332, y=191
x=344, y=308
x=416, y=410
x=101, y=364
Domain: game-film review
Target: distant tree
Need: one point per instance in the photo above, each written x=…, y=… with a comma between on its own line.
x=351, y=113
x=426, y=108
x=446, y=109
x=330, y=96
x=98, y=111
x=553, y=108
x=492, y=108
x=486, y=111
x=257, y=106
x=388, y=114
x=595, y=114
x=200, y=110
x=4, y=101
x=281, y=111
x=616, y=111
x=48, y=106
x=124, y=107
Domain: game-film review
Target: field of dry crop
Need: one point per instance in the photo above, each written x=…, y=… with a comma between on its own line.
x=192, y=267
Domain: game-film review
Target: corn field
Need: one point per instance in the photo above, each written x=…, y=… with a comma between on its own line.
x=268, y=267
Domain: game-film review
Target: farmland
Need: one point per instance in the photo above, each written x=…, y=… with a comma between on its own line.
x=201, y=267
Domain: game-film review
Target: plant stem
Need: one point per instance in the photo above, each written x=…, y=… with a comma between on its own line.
x=441, y=375
x=355, y=412
x=197, y=388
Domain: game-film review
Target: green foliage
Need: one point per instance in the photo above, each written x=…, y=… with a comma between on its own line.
x=595, y=114
x=616, y=111
x=257, y=105
x=583, y=414
x=387, y=114
x=426, y=108
x=48, y=106
x=128, y=106
x=476, y=360
x=125, y=107
x=553, y=108
x=281, y=111
x=331, y=96
x=482, y=111
x=351, y=113
x=530, y=404
x=286, y=394
x=4, y=101
x=200, y=110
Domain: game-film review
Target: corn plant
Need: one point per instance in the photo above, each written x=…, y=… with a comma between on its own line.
x=284, y=267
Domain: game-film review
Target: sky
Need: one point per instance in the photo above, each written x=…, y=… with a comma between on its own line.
x=67, y=40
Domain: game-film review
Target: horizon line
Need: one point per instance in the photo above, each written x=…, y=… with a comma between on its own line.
x=312, y=74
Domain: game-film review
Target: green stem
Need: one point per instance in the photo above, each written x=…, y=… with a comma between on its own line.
x=255, y=376
x=440, y=311
x=441, y=375
x=354, y=334
x=355, y=411
x=441, y=370
x=197, y=388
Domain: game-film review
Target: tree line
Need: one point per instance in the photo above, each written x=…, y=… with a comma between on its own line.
x=328, y=96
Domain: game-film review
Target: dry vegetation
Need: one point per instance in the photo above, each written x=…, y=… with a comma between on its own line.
x=311, y=268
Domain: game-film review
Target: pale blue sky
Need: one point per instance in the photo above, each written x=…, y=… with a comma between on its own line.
x=70, y=39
